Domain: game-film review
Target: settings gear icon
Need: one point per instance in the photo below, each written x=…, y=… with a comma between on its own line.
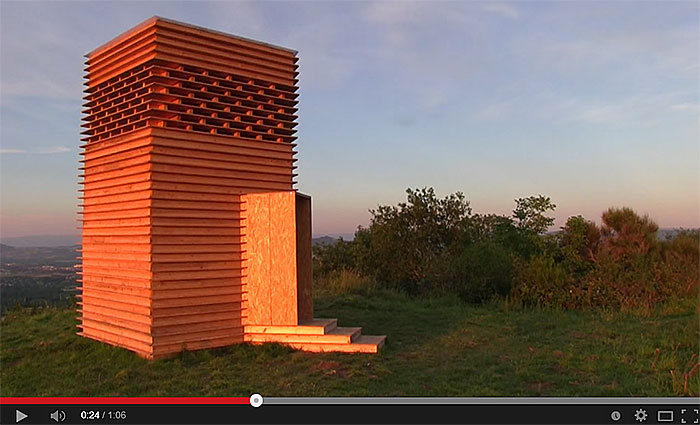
x=640, y=415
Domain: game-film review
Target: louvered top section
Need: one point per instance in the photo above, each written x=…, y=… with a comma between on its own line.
x=167, y=74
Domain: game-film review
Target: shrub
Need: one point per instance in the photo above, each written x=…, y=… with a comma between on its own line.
x=429, y=246
x=579, y=242
x=684, y=247
x=626, y=233
x=681, y=256
x=482, y=271
x=540, y=281
x=343, y=281
x=404, y=243
x=336, y=256
x=637, y=281
x=502, y=231
x=621, y=266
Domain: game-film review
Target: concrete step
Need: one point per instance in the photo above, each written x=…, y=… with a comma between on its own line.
x=327, y=324
x=335, y=336
x=362, y=344
x=311, y=327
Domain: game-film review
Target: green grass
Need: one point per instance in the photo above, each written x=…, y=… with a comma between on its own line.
x=437, y=347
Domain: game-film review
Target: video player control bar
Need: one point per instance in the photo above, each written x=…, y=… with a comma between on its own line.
x=257, y=409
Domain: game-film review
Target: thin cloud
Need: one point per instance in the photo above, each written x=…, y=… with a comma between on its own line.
x=40, y=151
x=494, y=111
x=396, y=13
x=502, y=9
x=52, y=150
x=643, y=108
x=685, y=107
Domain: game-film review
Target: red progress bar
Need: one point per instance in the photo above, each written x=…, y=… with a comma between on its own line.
x=124, y=400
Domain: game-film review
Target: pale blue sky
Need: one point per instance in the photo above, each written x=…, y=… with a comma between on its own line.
x=593, y=103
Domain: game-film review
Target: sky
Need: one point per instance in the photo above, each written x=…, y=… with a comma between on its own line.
x=594, y=103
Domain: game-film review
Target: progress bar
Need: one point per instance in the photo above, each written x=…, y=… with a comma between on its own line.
x=476, y=400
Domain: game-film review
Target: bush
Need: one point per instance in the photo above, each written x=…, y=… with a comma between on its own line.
x=332, y=257
x=632, y=283
x=626, y=233
x=681, y=256
x=404, y=244
x=482, y=271
x=541, y=281
x=504, y=232
x=580, y=240
x=428, y=246
x=683, y=248
x=344, y=281
x=620, y=265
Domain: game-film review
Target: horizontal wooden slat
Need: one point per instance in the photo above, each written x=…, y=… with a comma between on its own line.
x=188, y=329
x=195, y=318
x=117, y=330
x=203, y=274
x=115, y=304
x=91, y=200
x=102, y=254
x=196, y=283
x=116, y=214
x=117, y=314
x=139, y=347
x=163, y=215
x=129, y=179
x=188, y=310
x=194, y=336
x=111, y=239
x=144, y=328
x=117, y=231
x=93, y=223
x=194, y=240
x=96, y=272
x=125, y=298
x=121, y=289
x=201, y=265
x=165, y=350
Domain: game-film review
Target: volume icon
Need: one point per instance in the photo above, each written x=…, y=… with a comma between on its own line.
x=58, y=416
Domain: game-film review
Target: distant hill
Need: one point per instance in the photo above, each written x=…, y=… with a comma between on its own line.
x=324, y=240
x=669, y=233
x=70, y=240
x=42, y=240
x=39, y=256
x=661, y=234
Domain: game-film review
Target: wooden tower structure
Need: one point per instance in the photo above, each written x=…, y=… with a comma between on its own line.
x=193, y=235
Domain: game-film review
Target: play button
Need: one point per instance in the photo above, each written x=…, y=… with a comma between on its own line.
x=19, y=415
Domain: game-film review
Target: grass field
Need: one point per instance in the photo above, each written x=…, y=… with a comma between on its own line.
x=437, y=347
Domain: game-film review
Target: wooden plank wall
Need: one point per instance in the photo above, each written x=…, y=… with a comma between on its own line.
x=198, y=295
x=179, y=122
x=115, y=303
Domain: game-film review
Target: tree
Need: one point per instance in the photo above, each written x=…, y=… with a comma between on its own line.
x=529, y=213
x=624, y=232
x=580, y=240
x=407, y=240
